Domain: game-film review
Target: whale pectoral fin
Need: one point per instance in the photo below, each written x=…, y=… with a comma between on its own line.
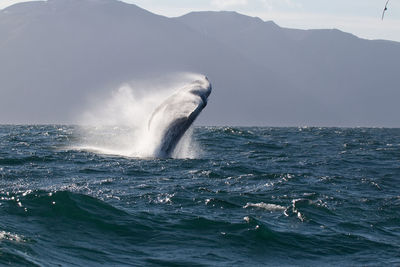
x=153, y=114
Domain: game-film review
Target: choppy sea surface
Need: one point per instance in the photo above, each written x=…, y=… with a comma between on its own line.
x=251, y=197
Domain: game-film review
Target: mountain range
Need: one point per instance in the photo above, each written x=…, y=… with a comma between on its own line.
x=56, y=54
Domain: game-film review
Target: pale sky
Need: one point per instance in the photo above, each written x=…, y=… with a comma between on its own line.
x=360, y=17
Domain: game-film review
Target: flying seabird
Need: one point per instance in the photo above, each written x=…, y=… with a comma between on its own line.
x=383, y=13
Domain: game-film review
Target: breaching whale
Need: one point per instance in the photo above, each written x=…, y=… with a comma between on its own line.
x=173, y=117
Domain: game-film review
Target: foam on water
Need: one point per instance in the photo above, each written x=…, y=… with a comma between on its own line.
x=266, y=206
x=117, y=124
x=10, y=236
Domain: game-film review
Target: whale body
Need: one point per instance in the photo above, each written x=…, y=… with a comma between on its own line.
x=173, y=117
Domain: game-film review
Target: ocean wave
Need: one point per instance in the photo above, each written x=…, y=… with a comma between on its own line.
x=298, y=202
x=266, y=206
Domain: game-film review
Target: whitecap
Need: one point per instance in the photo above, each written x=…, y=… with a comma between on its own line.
x=10, y=236
x=266, y=206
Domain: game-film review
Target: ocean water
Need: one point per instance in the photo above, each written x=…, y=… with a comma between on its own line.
x=247, y=197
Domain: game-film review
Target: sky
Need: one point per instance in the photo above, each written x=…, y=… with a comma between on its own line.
x=360, y=17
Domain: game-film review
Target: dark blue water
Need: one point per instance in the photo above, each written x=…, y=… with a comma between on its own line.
x=254, y=196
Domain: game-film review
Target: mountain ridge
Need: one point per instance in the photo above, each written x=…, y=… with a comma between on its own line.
x=59, y=53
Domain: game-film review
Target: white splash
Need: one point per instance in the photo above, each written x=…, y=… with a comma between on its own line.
x=10, y=236
x=117, y=124
x=266, y=206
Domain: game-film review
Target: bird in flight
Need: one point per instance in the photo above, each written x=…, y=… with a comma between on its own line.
x=383, y=13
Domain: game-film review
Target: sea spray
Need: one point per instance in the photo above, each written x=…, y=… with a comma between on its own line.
x=117, y=123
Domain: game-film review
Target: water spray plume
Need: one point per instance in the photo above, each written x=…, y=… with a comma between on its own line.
x=147, y=119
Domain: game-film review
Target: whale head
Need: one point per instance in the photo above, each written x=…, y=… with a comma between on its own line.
x=175, y=115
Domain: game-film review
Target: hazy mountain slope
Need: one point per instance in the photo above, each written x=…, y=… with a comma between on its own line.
x=56, y=55
x=351, y=80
